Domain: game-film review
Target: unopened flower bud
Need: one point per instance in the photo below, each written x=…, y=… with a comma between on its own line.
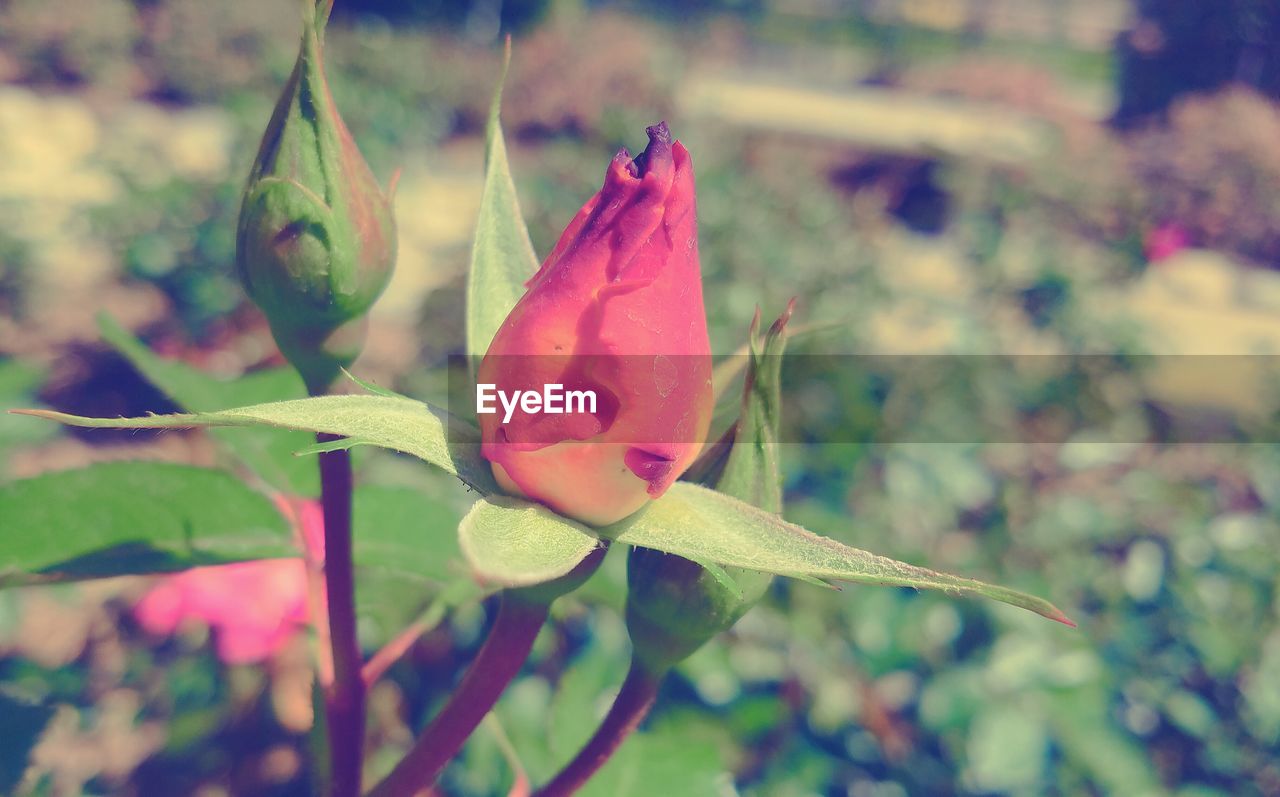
x=316, y=241
x=674, y=605
x=616, y=308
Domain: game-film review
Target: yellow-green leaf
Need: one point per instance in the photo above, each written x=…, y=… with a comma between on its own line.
x=400, y=424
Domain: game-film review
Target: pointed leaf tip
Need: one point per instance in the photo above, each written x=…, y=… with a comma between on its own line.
x=502, y=256
x=1061, y=617
x=780, y=325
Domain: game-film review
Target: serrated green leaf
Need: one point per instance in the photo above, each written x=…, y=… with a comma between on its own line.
x=690, y=521
x=702, y=524
x=400, y=424
x=502, y=257
x=523, y=543
x=269, y=455
x=132, y=517
x=514, y=543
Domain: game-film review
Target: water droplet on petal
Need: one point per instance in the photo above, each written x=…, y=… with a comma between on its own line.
x=665, y=375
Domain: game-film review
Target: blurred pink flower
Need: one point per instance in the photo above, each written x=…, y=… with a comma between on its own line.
x=254, y=608
x=1165, y=241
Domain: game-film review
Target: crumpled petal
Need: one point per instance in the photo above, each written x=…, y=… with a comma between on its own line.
x=617, y=309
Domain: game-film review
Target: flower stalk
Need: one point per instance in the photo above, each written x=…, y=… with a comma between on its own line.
x=500, y=658
x=521, y=613
x=315, y=246
x=638, y=693
x=345, y=696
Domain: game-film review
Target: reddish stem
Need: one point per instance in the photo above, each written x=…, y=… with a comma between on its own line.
x=629, y=708
x=390, y=653
x=344, y=699
x=498, y=662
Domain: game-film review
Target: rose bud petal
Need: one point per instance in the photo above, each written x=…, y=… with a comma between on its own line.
x=316, y=242
x=615, y=309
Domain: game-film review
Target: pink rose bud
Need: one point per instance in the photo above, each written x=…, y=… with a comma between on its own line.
x=616, y=310
x=1165, y=241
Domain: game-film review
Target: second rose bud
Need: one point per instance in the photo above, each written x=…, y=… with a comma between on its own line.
x=316, y=240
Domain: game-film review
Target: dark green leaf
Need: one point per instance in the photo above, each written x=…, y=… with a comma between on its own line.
x=132, y=517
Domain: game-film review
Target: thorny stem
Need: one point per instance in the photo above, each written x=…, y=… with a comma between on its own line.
x=499, y=661
x=629, y=708
x=344, y=699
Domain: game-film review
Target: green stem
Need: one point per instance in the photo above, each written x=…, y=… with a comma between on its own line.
x=629, y=709
x=344, y=701
x=500, y=658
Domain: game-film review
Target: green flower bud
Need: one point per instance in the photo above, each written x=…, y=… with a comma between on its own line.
x=674, y=605
x=316, y=240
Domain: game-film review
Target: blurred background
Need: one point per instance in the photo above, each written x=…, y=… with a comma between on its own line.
x=1046, y=177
